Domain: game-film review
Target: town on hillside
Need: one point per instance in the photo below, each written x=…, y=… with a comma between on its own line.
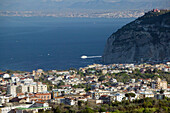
x=101, y=87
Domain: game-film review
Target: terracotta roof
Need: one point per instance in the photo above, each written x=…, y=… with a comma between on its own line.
x=167, y=67
x=104, y=95
x=40, y=102
x=25, y=98
x=19, y=94
x=43, y=94
x=36, y=99
x=58, y=97
x=65, y=86
x=22, y=78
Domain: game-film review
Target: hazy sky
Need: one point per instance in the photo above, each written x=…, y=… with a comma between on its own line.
x=52, y=5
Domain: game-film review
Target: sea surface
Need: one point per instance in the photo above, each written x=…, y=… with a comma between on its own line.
x=29, y=43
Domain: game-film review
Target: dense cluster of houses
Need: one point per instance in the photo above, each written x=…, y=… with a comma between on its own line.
x=21, y=92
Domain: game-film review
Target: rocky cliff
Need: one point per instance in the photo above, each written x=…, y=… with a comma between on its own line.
x=145, y=39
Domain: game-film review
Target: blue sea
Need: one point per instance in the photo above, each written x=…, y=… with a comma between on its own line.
x=29, y=43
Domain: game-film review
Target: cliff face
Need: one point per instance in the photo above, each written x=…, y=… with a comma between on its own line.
x=147, y=39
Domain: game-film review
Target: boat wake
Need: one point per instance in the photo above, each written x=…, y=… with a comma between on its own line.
x=84, y=57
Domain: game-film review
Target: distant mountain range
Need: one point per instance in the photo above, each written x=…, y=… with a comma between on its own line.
x=77, y=5
x=121, y=5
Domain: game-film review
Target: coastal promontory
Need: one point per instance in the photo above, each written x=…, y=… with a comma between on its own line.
x=145, y=39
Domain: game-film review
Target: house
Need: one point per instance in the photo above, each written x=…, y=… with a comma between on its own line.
x=113, y=80
x=12, y=108
x=132, y=80
x=70, y=101
x=105, y=98
x=4, y=99
x=43, y=96
x=62, y=72
x=6, y=76
x=167, y=94
x=41, y=104
x=59, y=100
x=117, y=97
x=60, y=92
x=156, y=10
x=15, y=79
x=65, y=86
x=166, y=69
x=159, y=96
x=168, y=63
x=34, y=108
x=104, y=71
x=97, y=94
x=24, y=100
x=145, y=94
x=78, y=91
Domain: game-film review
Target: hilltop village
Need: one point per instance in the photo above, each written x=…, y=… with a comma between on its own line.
x=95, y=85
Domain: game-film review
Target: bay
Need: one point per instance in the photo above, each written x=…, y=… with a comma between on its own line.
x=29, y=43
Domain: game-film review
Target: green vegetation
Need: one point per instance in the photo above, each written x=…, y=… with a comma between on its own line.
x=147, y=105
x=149, y=18
x=124, y=77
x=129, y=95
x=101, y=78
x=12, y=71
x=154, y=17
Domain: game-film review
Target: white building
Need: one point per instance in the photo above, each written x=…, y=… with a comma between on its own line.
x=145, y=94
x=62, y=72
x=99, y=93
x=167, y=94
x=15, y=79
x=117, y=97
x=133, y=80
x=8, y=109
x=6, y=76
x=114, y=80
x=4, y=99
x=26, y=88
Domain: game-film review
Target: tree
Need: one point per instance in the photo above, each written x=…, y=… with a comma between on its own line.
x=9, y=71
x=102, y=109
x=75, y=86
x=61, y=83
x=123, y=98
x=132, y=94
x=57, y=110
x=161, y=91
x=88, y=87
x=87, y=110
x=80, y=103
x=129, y=95
x=146, y=110
x=101, y=78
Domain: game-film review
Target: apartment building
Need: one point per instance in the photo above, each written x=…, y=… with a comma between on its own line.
x=34, y=87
